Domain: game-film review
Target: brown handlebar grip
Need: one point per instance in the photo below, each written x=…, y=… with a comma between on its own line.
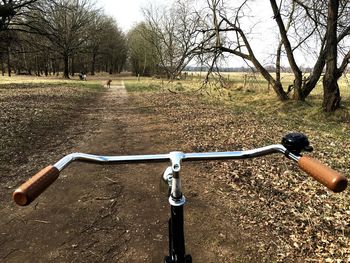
x=32, y=188
x=323, y=174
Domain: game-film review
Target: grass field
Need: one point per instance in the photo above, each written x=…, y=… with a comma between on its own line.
x=262, y=103
x=52, y=81
x=254, y=94
x=255, y=82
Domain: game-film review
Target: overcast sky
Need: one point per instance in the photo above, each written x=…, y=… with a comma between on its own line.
x=128, y=12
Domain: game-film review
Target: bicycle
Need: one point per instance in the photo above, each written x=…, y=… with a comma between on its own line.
x=292, y=145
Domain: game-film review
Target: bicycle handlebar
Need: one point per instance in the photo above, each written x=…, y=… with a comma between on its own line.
x=330, y=178
x=31, y=189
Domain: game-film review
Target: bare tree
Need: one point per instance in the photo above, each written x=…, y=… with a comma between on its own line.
x=331, y=98
x=331, y=19
x=113, y=46
x=173, y=33
x=98, y=33
x=299, y=23
x=46, y=33
x=9, y=9
x=143, y=57
x=222, y=35
x=65, y=24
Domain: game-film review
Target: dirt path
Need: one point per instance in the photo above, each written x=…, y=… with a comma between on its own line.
x=117, y=213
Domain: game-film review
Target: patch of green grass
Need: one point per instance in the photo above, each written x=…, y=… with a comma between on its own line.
x=33, y=81
x=134, y=86
x=88, y=85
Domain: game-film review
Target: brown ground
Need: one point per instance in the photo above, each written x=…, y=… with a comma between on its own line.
x=118, y=214
x=109, y=213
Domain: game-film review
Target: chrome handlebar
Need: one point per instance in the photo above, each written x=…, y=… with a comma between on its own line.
x=174, y=157
x=28, y=191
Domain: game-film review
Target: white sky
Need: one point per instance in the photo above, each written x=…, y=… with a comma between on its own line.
x=128, y=12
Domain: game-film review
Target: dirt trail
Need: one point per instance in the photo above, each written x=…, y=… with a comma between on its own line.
x=117, y=213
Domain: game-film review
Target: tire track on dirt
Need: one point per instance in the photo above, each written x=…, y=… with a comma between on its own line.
x=93, y=213
x=117, y=213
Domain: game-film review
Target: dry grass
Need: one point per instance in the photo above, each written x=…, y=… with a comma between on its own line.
x=93, y=82
x=254, y=95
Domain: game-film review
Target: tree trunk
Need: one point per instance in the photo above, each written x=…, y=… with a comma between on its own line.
x=2, y=66
x=53, y=68
x=278, y=62
x=37, y=66
x=72, y=66
x=93, y=63
x=66, y=66
x=312, y=80
x=144, y=64
x=289, y=51
x=9, y=61
x=297, y=84
x=276, y=85
x=331, y=93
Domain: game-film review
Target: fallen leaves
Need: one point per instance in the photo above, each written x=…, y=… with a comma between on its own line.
x=305, y=220
x=34, y=117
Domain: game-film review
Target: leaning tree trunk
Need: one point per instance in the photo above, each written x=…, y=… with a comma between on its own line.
x=331, y=93
x=276, y=85
x=313, y=79
x=298, y=78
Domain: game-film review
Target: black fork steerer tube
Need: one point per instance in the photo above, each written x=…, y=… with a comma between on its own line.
x=176, y=221
x=177, y=239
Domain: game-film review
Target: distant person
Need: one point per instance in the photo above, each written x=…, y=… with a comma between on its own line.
x=82, y=76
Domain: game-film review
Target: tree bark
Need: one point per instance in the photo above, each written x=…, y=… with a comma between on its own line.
x=72, y=66
x=331, y=93
x=298, y=77
x=2, y=66
x=93, y=63
x=276, y=85
x=278, y=62
x=9, y=61
x=312, y=80
x=66, y=66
